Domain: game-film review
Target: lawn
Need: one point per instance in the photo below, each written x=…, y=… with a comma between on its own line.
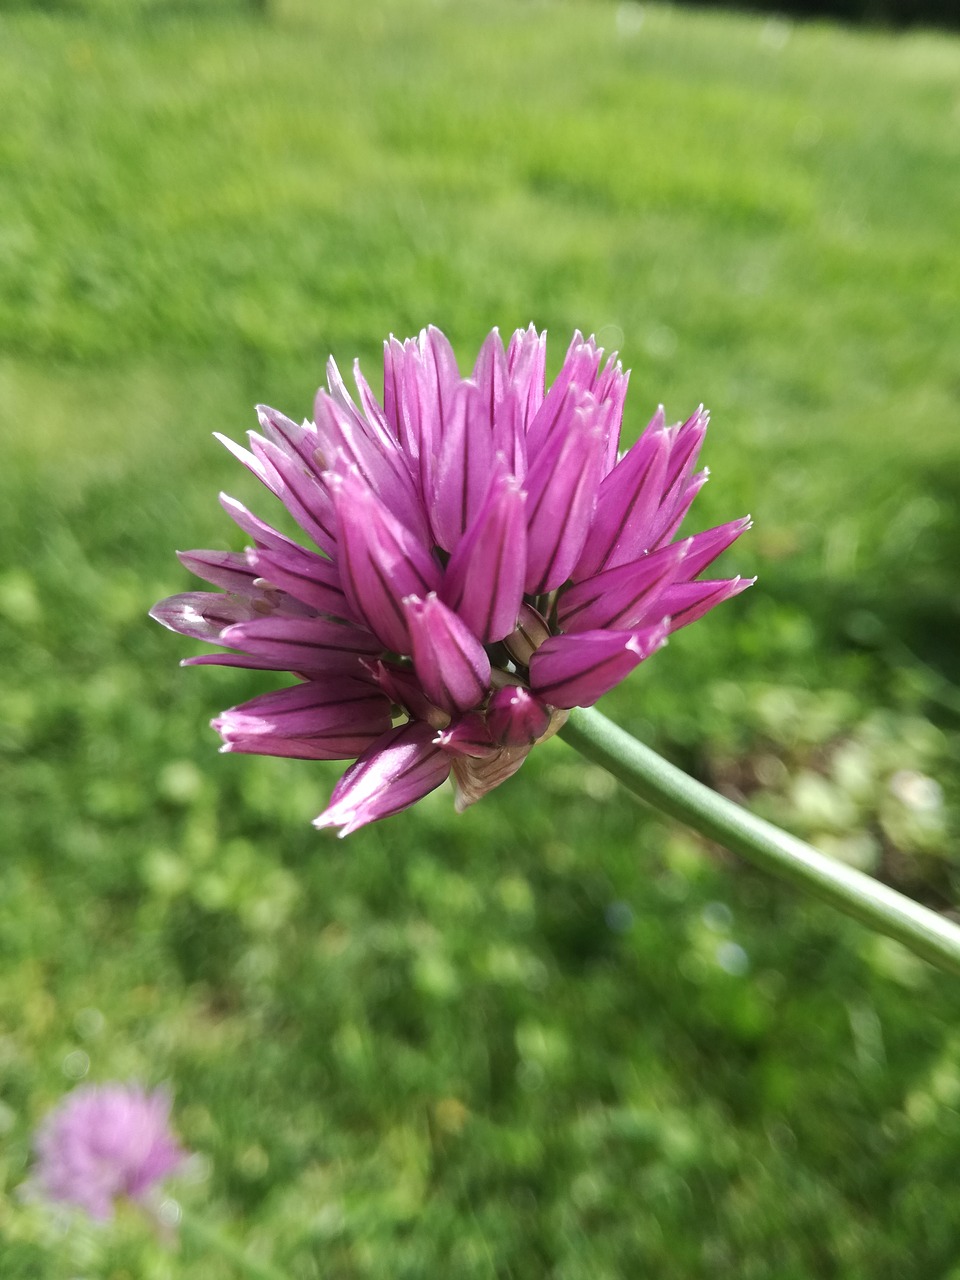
x=557, y=1036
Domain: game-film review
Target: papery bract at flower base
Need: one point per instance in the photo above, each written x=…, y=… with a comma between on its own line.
x=484, y=560
x=105, y=1143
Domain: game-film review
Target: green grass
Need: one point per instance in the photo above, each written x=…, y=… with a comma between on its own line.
x=556, y=1036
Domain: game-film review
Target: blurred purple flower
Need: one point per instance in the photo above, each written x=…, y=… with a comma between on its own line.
x=104, y=1143
x=486, y=560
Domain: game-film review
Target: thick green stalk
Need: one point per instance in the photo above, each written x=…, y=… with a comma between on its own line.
x=668, y=788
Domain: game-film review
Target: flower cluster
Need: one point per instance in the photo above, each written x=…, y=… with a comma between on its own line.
x=103, y=1144
x=484, y=560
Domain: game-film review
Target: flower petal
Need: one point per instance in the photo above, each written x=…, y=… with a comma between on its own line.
x=526, y=362
x=483, y=581
x=419, y=381
x=687, y=444
x=672, y=515
x=620, y=598
x=372, y=408
x=688, y=601
x=516, y=718
x=400, y=684
x=227, y=569
x=627, y=504
x=576, y=670
x=263, y=534
x=562, y=486
x=301, y=490
x=460, y=472
x=451, y=663
x=468, y=736
x=680, y=485
x=305, y=575
x=400, y=768
x=611, y=394
x=490, y=374
x=303, y=644
x=705, y=547
x=399, y=382
x=380, y=562
x=348, y=440
x=202, y=615
x=317, y=720
x=577, y=375
x=245, y=662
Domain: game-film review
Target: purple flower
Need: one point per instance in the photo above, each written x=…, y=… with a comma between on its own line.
x=484, y=560
x=104, y=1143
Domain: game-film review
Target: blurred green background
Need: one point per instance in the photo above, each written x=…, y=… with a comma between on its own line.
x=558, y=1036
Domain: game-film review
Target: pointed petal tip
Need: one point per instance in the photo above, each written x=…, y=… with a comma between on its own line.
x=323, y=822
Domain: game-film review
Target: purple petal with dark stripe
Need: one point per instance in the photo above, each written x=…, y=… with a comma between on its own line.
x=348, y=440
x=460, y=474
x=202, y=615
x=399, y=769
x=627, y=504
x=673, y=513
x=705, y=547
x=372, y=425
x=227, y=569
x=247, y=663
x=577, y=376
x=509, y=441
x=451, y=663
x=305, y=495
x=303, y=644
x=687, y=444
x=319, y=720
x=345, y=746
x=420, y=378
x=483, y=581
x=300, y=443
x=262, y=533
x=562, y=486
x=611, y=394
x=468, y=736
x=380, y=562
x=688, y=601
x=490, y=374
x=576, y=670
x=307, y=576
x=401, y=406
x=619, y=599
x=429, y=389
x=526, y=361
x=516, y=718
x=372, y=409
x=401, y=686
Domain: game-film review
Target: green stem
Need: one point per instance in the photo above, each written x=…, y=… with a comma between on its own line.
x=668, y=788
x=211, y=1241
